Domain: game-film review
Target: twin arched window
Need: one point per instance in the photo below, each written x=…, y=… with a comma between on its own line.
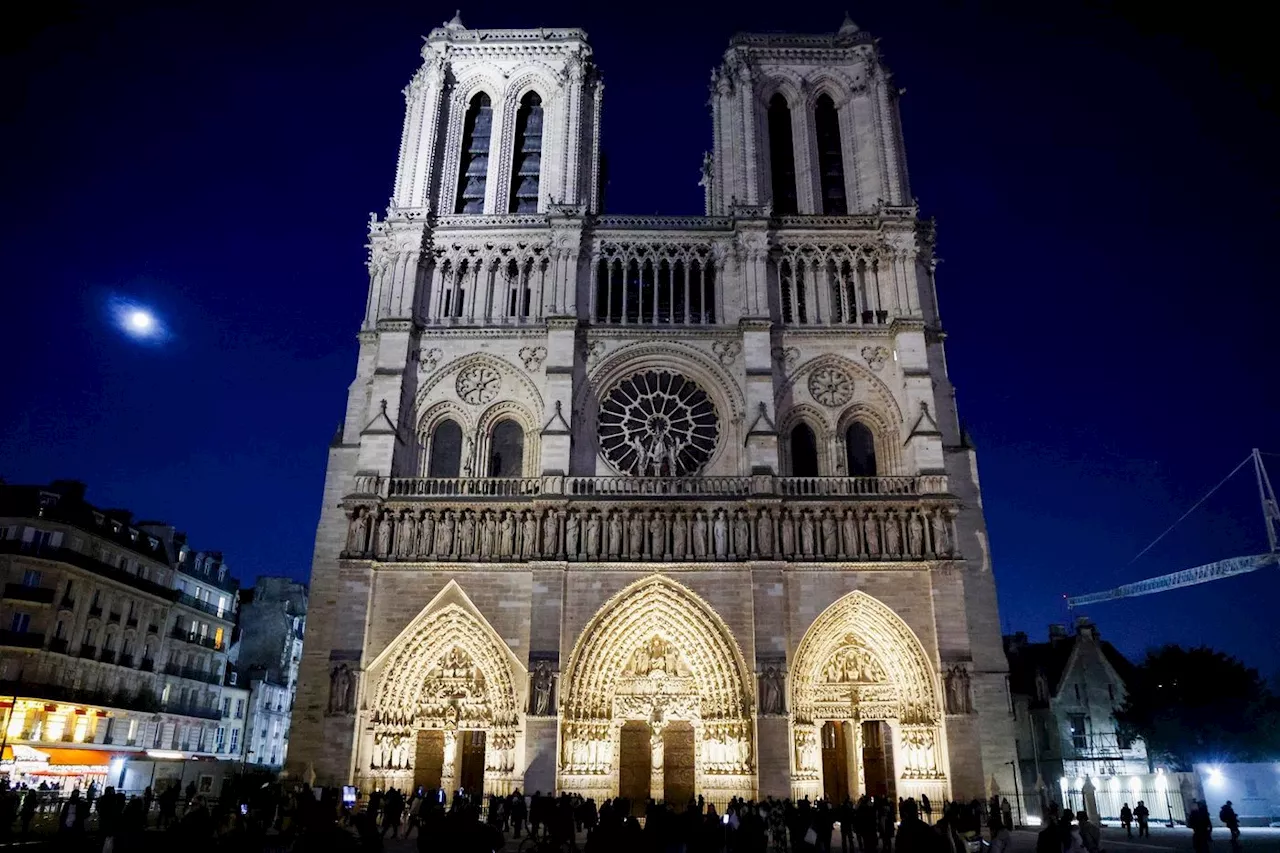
x=505, y=450
x=859, y=449
x=782, y=158
x=526, y=165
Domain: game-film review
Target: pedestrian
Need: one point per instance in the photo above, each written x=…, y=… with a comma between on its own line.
x=927, y=808
x=1126, y=820
x=1006, y=813
x=1090, y=833
x=1001, y=838
x=1231, y=821
x=1201, y=827
x=1141, y=814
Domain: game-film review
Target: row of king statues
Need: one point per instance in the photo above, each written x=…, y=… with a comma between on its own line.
x=650, y=534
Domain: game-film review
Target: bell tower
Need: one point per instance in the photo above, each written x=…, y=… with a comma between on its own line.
x=807, y=124
x=500, y=121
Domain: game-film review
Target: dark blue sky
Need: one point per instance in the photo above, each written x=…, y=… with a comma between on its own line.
x=1104, y=185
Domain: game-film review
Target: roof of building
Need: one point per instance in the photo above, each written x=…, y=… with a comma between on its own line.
x=63, y=501
x=1050, y=659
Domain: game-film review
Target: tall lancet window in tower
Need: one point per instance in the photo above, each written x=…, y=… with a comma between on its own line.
x=473, y=168
x=782, y=157
x=527, y=163
x=830, y=160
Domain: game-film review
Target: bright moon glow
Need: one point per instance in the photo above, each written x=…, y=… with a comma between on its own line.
x=137, y=320
x=140, y=322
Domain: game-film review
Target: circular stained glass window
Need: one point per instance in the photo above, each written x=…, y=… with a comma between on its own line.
x=658, y=424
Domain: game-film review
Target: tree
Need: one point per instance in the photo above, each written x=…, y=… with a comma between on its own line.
x=1193, y=705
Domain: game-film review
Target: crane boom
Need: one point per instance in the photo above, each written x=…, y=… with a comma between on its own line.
x=1186, y=577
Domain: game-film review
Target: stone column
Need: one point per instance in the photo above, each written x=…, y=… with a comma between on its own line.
x=449, y=769
x=657, y=778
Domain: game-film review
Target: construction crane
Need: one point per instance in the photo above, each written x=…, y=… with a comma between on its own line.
x=1212, y=571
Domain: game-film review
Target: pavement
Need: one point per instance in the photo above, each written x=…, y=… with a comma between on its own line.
x=1252, y=840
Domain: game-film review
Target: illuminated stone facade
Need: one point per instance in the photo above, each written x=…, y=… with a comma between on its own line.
x=652, y=505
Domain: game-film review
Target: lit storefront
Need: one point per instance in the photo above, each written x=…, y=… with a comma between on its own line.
x=56, y=744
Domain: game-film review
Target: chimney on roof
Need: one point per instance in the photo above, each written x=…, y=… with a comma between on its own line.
x=1057, y=632
x=1086, y=628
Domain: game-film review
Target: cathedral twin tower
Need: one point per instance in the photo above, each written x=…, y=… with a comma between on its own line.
x=652, y=506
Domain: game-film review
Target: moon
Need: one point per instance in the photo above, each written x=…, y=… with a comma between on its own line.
x=137, y=321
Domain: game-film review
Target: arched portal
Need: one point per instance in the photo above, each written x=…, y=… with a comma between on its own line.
x=864, y=706
x=444, y=704
x=657, y=680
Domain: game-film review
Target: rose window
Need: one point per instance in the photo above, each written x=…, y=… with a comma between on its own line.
x=831, y=386
x=658, y=424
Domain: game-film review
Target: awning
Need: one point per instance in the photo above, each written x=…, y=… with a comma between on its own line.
x=81, y=757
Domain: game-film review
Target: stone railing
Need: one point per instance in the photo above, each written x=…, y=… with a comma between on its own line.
x=432, y=488
x=893, y=529
x=631, y=486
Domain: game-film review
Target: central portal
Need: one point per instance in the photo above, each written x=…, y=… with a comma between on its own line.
x=835, y=761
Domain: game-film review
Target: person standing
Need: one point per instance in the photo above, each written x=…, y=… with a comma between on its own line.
x=1126, y=820
x=1001, y=838
x=1201, y=827
x=1141, y=814
x=1231, y=821
x=1006, y=813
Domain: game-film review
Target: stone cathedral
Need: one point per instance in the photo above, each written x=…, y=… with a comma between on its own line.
x=652, y=505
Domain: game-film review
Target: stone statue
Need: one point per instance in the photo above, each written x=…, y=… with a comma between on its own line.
x=491, y=533
x=657, y=535
x=571, y=532
x=406, y=532
x=871, y=536
x=788, y=535
x=384, y=536
x=699, y=535
x=341, y=690
x=721, y=532
x=444, y=542
x=468, y=453
x=529, y=537
x=426, y=534
x=830, y=545
x=507, y=547
x=550, y=534
x=467, y=534
x=635, y=535
x=941, y=536
x=849, y=530
x=764, y=534
x=915, y=535
x=615, y=535
x=957, y=690
x=483, y=541
x=806, y=533
x=358, y=531
x=593, y=535
x=771, y=691
x=679, y=531
x=542, y=679
x=892, y=535
x=741, y=535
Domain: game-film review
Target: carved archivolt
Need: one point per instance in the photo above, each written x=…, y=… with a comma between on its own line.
x=868, y=383
x=658, y=626
x=858, y=651
x=511, y=378
x=449, y=670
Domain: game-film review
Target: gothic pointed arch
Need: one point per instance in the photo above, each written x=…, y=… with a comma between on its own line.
x=657, y=651
x=448, y=669
x=869, y=390
x=860, y=660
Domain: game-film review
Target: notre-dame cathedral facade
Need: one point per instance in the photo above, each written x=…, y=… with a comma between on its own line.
x=650, y=505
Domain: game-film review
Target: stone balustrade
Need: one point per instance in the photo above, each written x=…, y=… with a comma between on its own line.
x=896, y=529
x=627, y=487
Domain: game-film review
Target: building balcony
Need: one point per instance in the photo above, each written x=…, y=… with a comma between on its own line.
x=126, y=660
x=33, y=594
x=108, y=656
x=840, y=520
x=144, y=700
x=88, y=651
x=190, y=709
x=196, y=640
x=70, y=557
x=192, y=673
x=58, y=645
x=22, y=639
x=205, y=606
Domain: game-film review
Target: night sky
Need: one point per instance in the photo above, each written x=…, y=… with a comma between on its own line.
x=1104, y=186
